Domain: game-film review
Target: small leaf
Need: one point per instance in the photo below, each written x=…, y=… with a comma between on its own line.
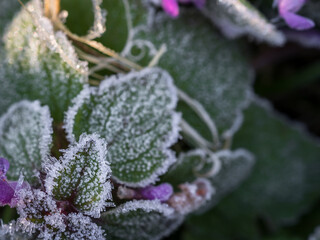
x=42, y=64
x=140, y=220
x=224, y=169
x=25, y=138
x=82, y=176
x=134, y=113
x=209, y=68
x=236, y=18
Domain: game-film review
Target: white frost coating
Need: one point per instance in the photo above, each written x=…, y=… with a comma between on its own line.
x=77, y=102
x=56, y=42
x=25, y=136
x=82, y=172
x=81, y=227
x=235, y=19
x=34, y=204
x=145, y=205
x=143, y=220
x=100, y=15
x=137, y=120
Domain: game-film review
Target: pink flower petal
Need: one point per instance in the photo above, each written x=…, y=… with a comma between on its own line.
x=298, y=22
x=171, y=7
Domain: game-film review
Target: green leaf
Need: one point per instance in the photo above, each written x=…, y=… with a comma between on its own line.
x=82, y=176
x=236, y=18
x=225, y=170
x=42, y=64
x=283, y=185
x=25, y=138
x=140, y=220
x=134, y=113
x=209, y=68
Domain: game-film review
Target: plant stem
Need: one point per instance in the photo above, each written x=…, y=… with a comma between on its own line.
x=51, y=9
x=96, y=45
x=202, y=113
x=191, y=134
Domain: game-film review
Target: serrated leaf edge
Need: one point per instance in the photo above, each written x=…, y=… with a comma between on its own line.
x=46, y=120
x=58, y=166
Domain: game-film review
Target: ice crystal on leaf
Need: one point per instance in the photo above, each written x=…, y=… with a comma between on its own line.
x=236, y=18
x=141, y=220
x=81, y=176
x=134, y=113
x=40, y=215
x=25, y=138
x=42, y=62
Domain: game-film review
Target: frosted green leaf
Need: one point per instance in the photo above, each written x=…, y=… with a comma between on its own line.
x=82, y=176
x=225, y=169
x=283, y=185
x=42, y=62
x=140, y=220
x=25, y=138
x=134, y=113
x=209, y=68
x=236, y=18
x=287, y=166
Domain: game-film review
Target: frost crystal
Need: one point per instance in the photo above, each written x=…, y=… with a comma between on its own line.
x=81, y=227
x=38, y=211
x=43, y=63
x=25, y=137
x=98, y=27
x=134, y=113
x=236, y=18
x=141, y=220
x=82, y=176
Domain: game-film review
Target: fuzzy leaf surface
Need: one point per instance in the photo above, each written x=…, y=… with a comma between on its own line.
x=40, y=63
x=140, y=220
x=25, y=138
x=236, y=18
x=82, y=176
x=283, y=185
x=134, y=113
x=210, y=69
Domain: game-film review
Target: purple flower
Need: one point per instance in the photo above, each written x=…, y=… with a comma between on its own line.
x=8, y=189
x=171, y=7
x=288, y=9
x=161, y=192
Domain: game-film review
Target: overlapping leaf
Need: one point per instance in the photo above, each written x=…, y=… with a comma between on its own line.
x=238, y=17
x=134, y=113
x=25, y=138
x=82, y=176
x=41, y=64
x=207, y=67
x=140, y=220
x=283, y=185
